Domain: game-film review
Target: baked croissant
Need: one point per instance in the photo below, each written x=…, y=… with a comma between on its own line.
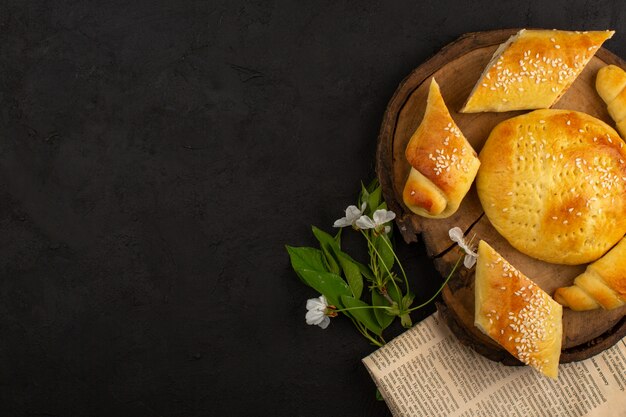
x=603, y=284
x=516, y=313
x=533, y=69
x=611, y=86
x=443, y=163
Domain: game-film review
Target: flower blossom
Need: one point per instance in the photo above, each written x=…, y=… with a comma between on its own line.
x=352, y=215
x=456, y=234
x=380, y=217
x=316, y=314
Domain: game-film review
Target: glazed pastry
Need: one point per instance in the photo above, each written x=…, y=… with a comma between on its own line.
x=603, y=284
x=533, y=69
x=516, y=313
x=443, y=163
x=553, y=183
x=611, y=86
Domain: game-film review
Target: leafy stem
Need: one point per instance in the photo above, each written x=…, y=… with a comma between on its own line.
x=456, y=265
x=341, y=279
x=380, y=284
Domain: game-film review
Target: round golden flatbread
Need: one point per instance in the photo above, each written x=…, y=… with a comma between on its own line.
x=553, y=183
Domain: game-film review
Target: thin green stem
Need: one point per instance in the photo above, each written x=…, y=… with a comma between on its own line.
x=341, y=310
x=440, y=288
x=366, y=334
x=371, y=245
x=406, y=280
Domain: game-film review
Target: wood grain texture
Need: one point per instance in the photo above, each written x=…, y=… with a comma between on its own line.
x=456, y=68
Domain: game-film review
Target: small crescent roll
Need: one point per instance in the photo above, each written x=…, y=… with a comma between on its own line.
x=516, y=313
x=603, y=284
x=443, y=163
x=533, y=69
x=611, y=86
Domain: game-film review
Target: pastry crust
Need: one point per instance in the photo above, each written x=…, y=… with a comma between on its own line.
x=516, y=313
x=603, y=284
x=611, y=86
x=553, y=183
x=443, y=163
x=533, y=69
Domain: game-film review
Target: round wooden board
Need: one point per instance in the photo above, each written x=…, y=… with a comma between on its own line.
x=456, y=68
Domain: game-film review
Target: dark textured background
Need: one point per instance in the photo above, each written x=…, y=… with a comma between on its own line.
x=155, y=157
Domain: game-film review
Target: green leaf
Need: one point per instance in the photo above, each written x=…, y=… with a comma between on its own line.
x=385, y=252
x=374, y=200
x=306, y=258
x=379, y=396
x=382, y=316
x=352, y=273
x=338, y=238
x=332, y=286
x=329, y=246
x=366, y=271
x=407, y=300
x=325, y=239
x=405, y=318
x=364, y=195
x=394, y=293
x=373, y=185
x=364, y=315
x=331, y=263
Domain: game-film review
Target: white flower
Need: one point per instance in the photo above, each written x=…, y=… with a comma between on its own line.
x=456, y=234
x=352, y=215
x=380, y=218
x=317, y=312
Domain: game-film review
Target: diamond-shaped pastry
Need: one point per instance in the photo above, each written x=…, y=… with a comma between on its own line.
x=533, y=69
x=513, y=311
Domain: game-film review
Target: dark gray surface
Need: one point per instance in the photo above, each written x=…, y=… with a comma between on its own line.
x=154, y=159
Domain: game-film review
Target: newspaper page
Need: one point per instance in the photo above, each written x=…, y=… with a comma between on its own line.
x=426, y=371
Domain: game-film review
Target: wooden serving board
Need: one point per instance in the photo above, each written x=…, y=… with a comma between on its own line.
x=456, y=68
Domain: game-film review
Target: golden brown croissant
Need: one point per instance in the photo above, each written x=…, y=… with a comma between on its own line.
x=603, y=284
x=611, y=86
x=443, y=163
